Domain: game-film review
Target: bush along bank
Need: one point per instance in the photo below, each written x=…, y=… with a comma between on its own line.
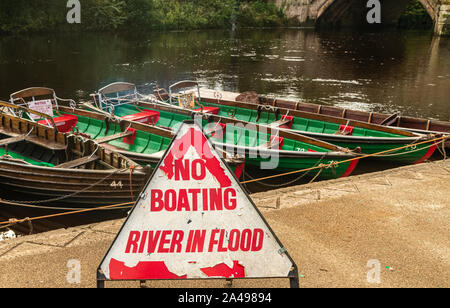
x=415, y=17
x=24, y=16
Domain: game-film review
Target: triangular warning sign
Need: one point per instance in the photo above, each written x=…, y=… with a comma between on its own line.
x=194, y=220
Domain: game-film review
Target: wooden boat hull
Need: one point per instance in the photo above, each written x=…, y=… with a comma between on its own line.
x=330, y=165
x=369, y=138
x=77, y=188
x=49, y=168
x=287, y=160
x=413, y=124
x=147, y=148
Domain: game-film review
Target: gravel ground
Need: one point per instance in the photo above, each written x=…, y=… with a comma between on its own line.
x=337, y=232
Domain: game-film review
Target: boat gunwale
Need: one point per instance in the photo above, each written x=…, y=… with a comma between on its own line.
x=283, y=153
x=280, y=132
x=314, y=116
x=75, y=171
x=125, y=191
x=401, y=125
x=15, y=125
x=366, y=139
x=136, y=125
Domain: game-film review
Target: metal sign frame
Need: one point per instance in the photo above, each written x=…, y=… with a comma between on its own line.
x=293, y=275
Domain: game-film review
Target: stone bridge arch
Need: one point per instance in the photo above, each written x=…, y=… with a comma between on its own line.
x=354, y=12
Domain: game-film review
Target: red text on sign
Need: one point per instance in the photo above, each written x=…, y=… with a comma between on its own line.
x=161, y=241
x=216, y=240
x=193, y=199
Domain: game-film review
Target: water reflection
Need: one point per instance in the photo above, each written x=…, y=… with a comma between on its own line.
x=406, y=72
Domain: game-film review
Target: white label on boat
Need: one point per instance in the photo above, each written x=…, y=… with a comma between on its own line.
x=42, y=106
x=143, y=120
x=193, y=221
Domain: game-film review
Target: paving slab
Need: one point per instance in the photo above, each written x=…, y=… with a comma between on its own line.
x=337, y=232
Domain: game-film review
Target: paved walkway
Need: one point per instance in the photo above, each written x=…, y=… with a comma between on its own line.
x=398, y=218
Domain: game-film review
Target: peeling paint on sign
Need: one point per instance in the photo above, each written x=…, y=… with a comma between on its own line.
x=195, y=222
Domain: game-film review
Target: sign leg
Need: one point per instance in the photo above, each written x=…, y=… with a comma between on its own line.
x=294, y=283
x=294, y=279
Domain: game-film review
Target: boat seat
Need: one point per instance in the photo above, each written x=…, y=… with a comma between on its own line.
x=346, y=130
x=11, y=140
x=129, y=133
x=52, y=145
x=209, y=110
x=215, y=128
x=78, y=162
x=274, y=143
x=284, y=122
x=146, y=117
x=130, y=138
x=63, y=123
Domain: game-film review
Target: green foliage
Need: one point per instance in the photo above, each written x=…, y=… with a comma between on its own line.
x=193, y=14
x=415, y=16
x=31, y=16
x=139, y=13
x=24, y=16
x=103, y=14
x=260, y=13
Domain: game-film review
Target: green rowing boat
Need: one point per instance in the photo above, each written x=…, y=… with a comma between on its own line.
x=45, y=168
x=370, y=138
x=263, y=147
x=142, y=143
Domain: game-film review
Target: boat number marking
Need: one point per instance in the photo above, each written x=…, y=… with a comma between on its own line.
x=118, y=184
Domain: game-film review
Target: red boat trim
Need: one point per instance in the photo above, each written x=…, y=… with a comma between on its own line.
x=427, y=155
x=146, y=116
x=130, y=139
x=64, y=123
x=276, y=140
x=238, y=170
x=345, y=129
x=350, y=168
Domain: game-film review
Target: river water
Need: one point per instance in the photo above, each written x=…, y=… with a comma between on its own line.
x=406, y=72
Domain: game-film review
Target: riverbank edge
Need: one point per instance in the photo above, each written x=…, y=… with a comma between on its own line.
x=259, y=14
x=332, y=229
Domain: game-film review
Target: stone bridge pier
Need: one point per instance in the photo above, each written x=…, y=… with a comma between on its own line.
x=353, y=13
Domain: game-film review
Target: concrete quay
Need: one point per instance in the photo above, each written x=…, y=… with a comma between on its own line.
x=339, y=233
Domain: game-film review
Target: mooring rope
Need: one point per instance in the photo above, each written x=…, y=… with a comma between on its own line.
x=46, y=207
x=442, y=139
x=131, y=182
x=443, y=151
x=332, y=164
x=112, y=206
x=292, y=181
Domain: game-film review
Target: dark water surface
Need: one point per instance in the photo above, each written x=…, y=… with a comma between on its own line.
x=406, y=72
